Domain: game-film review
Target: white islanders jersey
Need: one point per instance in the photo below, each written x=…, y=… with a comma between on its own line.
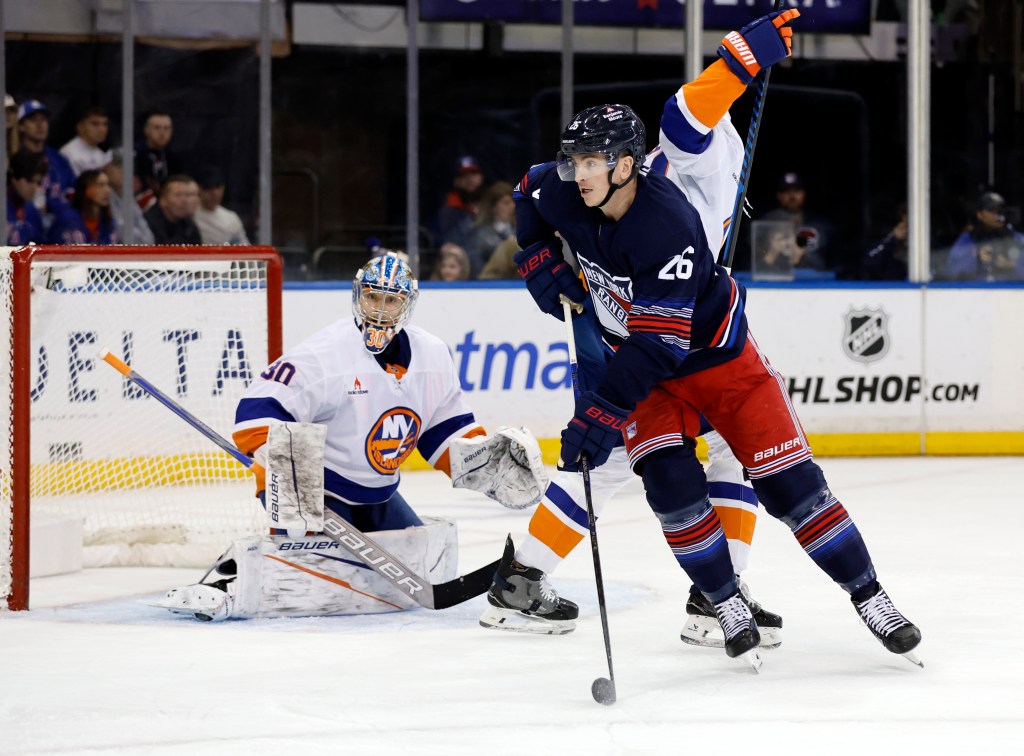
x=374, y=417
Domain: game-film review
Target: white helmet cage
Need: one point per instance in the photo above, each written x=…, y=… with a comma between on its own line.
x=384, y=294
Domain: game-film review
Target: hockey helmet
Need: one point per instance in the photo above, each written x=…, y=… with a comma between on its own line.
x=608, y=130
x=384, y=294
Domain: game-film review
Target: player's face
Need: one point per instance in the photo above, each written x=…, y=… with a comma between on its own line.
x=591, y=176
x=382, y=308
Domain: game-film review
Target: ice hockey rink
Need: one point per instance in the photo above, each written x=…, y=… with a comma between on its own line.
x=93, y=669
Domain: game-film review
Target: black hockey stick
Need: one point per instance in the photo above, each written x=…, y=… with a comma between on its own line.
x=361, y=546
x=603, y=688
x=732, y=235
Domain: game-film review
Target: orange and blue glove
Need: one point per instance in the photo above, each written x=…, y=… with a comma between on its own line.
x=759, y=44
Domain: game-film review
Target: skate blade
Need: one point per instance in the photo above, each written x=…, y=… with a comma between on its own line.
x=753, y=658
x=913, y=658
x=771, y=637
x=509, y=620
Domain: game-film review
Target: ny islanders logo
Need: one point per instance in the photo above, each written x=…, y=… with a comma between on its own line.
x=392, y=439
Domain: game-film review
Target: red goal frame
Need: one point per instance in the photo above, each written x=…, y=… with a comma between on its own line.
x=21, y=359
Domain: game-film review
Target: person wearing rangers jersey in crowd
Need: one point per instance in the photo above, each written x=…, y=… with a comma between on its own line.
x=701, y=153
x=677, y=325
x=383, y=388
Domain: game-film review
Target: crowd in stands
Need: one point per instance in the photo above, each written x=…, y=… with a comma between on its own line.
x=73, y=195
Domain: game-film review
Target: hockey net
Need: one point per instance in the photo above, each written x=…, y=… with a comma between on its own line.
x=82, y=442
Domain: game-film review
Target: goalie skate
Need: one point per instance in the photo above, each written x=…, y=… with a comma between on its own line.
x=703, y=629
x=521, y=600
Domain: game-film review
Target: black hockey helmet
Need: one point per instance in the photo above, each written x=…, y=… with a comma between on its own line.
x=608, y=130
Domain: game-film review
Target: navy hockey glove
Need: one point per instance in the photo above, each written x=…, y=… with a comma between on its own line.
x=759, y=44
x=547, y=275
x=594, y=431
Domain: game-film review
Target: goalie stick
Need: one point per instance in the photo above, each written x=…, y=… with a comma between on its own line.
x=423, y=592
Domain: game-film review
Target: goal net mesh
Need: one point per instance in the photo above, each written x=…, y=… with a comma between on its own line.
x=149, y=488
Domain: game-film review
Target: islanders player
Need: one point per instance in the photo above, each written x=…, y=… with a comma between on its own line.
x=701, y=153
x=380, y=388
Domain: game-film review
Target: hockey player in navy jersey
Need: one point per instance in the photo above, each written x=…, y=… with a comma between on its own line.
x=701, y=153
x=676, y=322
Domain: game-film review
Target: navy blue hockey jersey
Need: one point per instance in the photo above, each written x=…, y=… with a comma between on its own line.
x=662, y=303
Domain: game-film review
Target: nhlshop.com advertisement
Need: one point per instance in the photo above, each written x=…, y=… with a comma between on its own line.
x=876, y=361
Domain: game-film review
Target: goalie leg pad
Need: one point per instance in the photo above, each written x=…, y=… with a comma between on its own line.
x=295, y=477
x=314, y=576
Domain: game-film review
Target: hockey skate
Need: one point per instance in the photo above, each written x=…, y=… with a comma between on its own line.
x=703, y=629
x=898, y=634
x=740, y=630
x=521, y=600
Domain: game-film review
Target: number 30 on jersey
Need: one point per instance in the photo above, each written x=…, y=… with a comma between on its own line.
x=679, y=267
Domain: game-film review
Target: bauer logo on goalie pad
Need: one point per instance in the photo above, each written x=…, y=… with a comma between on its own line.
x=866, y=337
x=392, y=439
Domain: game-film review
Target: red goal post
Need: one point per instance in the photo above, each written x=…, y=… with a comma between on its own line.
x=80, y=443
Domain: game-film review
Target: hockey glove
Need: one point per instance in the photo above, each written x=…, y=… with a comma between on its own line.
x=594, y=431
x=759, y=44
x=547, y=275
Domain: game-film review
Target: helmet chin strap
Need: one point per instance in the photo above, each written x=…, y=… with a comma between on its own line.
x=613, y=187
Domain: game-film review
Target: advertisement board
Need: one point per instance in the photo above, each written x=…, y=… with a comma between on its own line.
x=869, y=370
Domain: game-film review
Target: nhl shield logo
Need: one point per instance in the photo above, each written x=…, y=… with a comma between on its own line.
x=867, y=334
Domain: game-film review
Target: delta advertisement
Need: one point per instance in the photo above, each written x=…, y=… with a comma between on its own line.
x=856, y=360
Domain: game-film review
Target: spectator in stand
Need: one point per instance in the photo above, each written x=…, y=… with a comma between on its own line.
x=33, y=130
x=87, y=220
x=153, y=164
x=171, y=217
x=812, y=234
x=458, y=214
x=217, y=224
x=11, y=121
x=24, y=223
x=501, y=266
x=494, y=224
x=141, y=232
x=989, y=250
x=452, y=264
x=83, y=152
x=887, y=260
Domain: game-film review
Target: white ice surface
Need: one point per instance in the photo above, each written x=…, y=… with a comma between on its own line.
x=92, y=669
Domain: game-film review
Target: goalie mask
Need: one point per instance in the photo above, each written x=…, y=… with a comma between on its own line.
x=384, y=294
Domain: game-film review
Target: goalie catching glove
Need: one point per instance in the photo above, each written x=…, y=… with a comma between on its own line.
x=506, y=466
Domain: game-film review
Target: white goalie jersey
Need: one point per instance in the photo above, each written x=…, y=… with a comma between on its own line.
x=375, y=415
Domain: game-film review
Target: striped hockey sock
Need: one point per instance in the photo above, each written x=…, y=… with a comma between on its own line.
x=832, y=540
x=699, y=546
